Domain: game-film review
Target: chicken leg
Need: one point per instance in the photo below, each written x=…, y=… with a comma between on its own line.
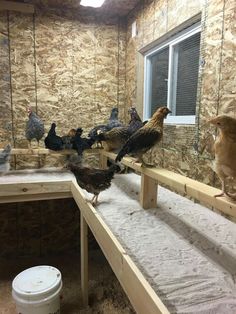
x=94, y=200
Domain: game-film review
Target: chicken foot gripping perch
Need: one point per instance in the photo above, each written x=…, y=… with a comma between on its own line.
x=225, y=151
x=145, y=137
x=93, y=180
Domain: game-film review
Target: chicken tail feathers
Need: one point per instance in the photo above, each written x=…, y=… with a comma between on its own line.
x=121, y=153
x=114, y=168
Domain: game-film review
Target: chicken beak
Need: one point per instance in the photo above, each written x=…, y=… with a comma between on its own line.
x=211, y=121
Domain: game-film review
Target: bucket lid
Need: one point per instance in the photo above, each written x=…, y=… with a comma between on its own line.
x=37, y=281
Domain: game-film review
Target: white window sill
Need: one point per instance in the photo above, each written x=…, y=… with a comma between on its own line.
x=180, y=120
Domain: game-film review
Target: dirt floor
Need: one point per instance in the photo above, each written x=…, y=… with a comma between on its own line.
x=105, y=293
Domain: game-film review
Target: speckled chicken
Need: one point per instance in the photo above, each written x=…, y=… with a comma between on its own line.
x=93, y=180
x=112, y=123
x=145, y=137
x=115, y=138
x=225, y=151
x=34, y=127
x=5, y=156
x=53, y=141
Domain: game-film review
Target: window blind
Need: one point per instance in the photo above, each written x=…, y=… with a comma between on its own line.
x=187, y=75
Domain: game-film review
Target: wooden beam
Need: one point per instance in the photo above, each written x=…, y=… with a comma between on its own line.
x=7, y=190
x=184, y=185
x=148, y=193
x=84, y=259
x=34, y=197
x=16, y=6
x=102, y=161
x=142, y=296
x=45, y=151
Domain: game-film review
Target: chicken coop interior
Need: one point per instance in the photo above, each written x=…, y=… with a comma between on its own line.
x=118, y=156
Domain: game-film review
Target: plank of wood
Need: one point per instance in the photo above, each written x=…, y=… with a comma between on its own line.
x=34, y=197
x=142, y=296
x=45, y=151
x=7, y=190
x=102, y=161
x=16, y=6
x=84, y=259
x=148, y=193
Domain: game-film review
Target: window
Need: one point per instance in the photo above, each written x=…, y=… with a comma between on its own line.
x=171, y=76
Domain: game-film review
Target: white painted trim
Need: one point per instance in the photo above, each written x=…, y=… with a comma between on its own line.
x=180, y=119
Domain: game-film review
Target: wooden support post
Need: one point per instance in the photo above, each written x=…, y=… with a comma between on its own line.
x=148, y=193
x=84, y=259
x=103, y=161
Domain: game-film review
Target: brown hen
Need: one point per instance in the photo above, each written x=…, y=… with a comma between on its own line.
x=225, y=150
x=93, y=180
x=146, y=137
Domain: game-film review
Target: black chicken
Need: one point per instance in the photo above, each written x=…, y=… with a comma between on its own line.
x=34, y=127
x=113, y=123
x=81, y=143
x=93, y=180
x=53, y=141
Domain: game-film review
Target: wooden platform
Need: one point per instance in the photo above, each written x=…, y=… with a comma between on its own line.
x=151, y=177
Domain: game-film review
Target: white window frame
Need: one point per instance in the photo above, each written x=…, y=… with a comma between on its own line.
x=171, y=119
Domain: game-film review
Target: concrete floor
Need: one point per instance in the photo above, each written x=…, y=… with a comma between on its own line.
x=105, y=293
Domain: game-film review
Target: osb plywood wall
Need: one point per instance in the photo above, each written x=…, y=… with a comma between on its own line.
x=70, y=68
x=217, y=85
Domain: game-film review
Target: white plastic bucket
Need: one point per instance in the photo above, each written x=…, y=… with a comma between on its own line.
x=36, y=290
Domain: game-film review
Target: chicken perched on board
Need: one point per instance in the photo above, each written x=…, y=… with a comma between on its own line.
x=93, y=180
x=115, y=138
x=5, y=159
x=34, y=127
x=53, y=141
x=146, y=137
x=81, y=143
x=225, y=151
x=112, y=123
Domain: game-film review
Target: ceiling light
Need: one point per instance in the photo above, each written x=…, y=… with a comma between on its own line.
x=92, y=3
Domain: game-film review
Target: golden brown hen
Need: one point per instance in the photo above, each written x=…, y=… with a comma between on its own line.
x=93, y=180
x=146, y=137
x=225, y=150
